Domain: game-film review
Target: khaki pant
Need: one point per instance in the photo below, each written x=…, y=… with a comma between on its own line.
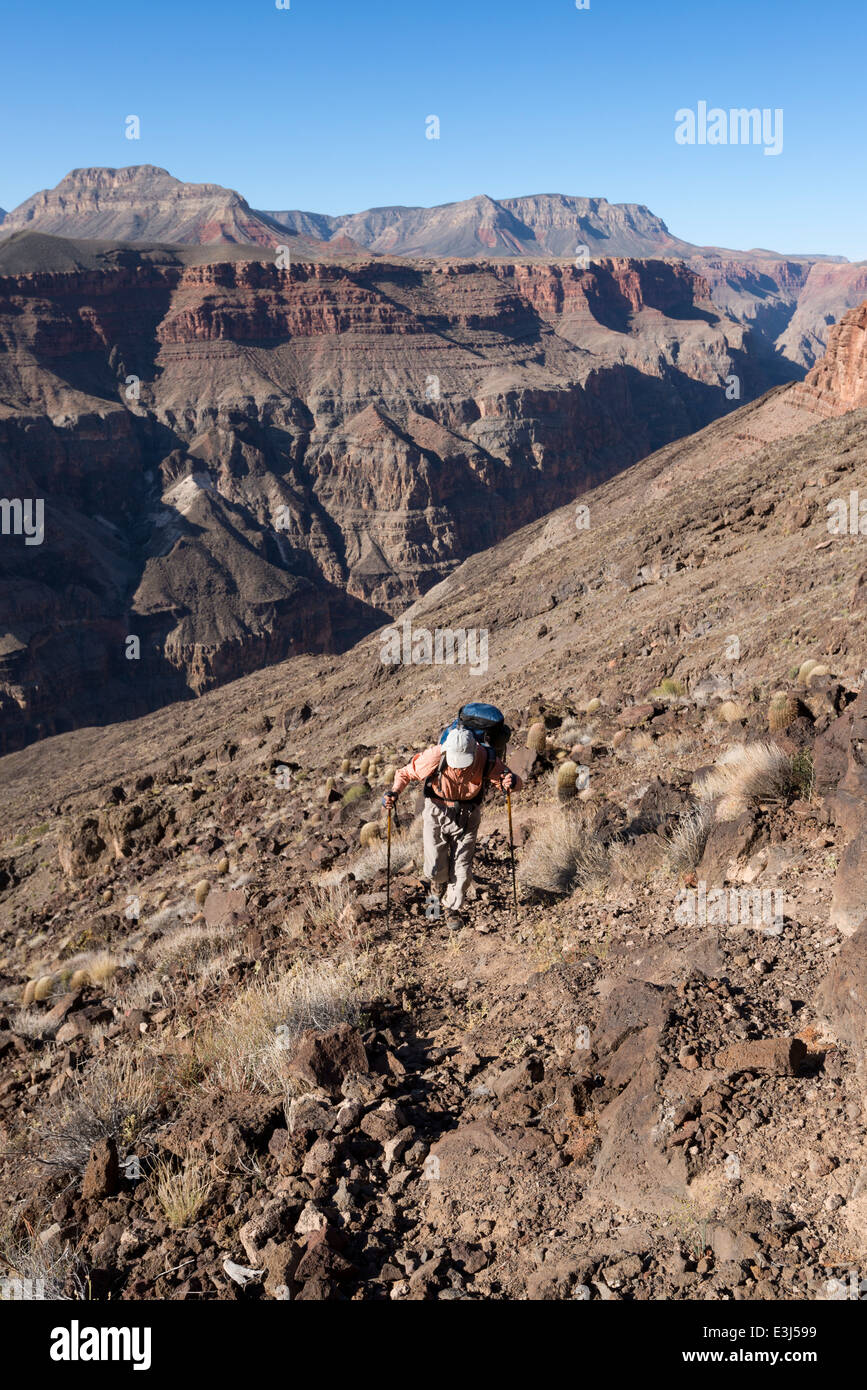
x=449, y=845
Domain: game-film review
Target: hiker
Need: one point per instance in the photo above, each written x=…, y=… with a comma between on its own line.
x=456, y=775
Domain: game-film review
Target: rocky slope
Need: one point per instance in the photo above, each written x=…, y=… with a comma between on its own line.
x=227, y=1074
x=240, y=461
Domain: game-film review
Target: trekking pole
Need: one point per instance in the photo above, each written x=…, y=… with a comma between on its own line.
x=512, y=853
x=388, y=876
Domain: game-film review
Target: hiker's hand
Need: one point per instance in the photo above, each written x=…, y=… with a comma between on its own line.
x=508, y=782
x=389, y=801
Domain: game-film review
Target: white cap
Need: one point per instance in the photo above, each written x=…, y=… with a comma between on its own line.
x=460, y=748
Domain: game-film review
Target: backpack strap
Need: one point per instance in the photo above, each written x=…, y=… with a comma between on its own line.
x=490, y=758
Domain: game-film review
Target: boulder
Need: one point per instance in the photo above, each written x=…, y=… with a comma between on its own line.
x=849, y=903
x=326, y=1059
x=728, y=843
x=221, y=903
x=775, y=1056
x=842, y=996
x=635, y=715
x=102, y=1174
x=840, y=766
x=80, y=847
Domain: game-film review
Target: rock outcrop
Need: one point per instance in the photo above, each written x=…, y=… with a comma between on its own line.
x=142, y=203
x=840, y=380
x=239, y=462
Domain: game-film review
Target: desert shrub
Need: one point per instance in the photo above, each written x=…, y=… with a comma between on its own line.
x=352, y=794
x=113, y=1098
x=803, y=775
x=248, y=1046
x=405, y=852
x=668, y=689
x=564, y=855
x=181, y=1191
x=752, y=772
x=688, y=839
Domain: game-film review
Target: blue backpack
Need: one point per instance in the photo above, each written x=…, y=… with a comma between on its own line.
x=486, y=722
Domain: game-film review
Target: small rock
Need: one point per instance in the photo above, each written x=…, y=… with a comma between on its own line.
x=102, y=1174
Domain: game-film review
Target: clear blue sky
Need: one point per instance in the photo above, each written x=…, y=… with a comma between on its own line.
x=322, y=106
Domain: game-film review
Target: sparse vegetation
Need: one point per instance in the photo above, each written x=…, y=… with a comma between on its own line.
x=564, y=855
x=668, y=689
x=689, y=838
x=45, y=1272
x=190, y=948
x=181, y=1190
x=752, y=772
x=112, y=1098
x=405, y=851
x=248, y=1046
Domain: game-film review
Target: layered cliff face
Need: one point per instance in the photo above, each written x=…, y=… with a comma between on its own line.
x=238, y=462
x=142, y=203
x=548, y=225
x=788, y=303
x=840, y=379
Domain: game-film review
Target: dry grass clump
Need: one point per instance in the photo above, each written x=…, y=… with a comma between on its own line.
x=325, y=903
x=731, y=712
x=569, y=732
x=248, y=1045
x=190, y=948
x=689, y=838
x=668, y=690
x=564, y=855
x=27, y=1024
x=44, y=1272
x=751, y=772
x=114, y=1098
x=405, y=852
x=181, y=1191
